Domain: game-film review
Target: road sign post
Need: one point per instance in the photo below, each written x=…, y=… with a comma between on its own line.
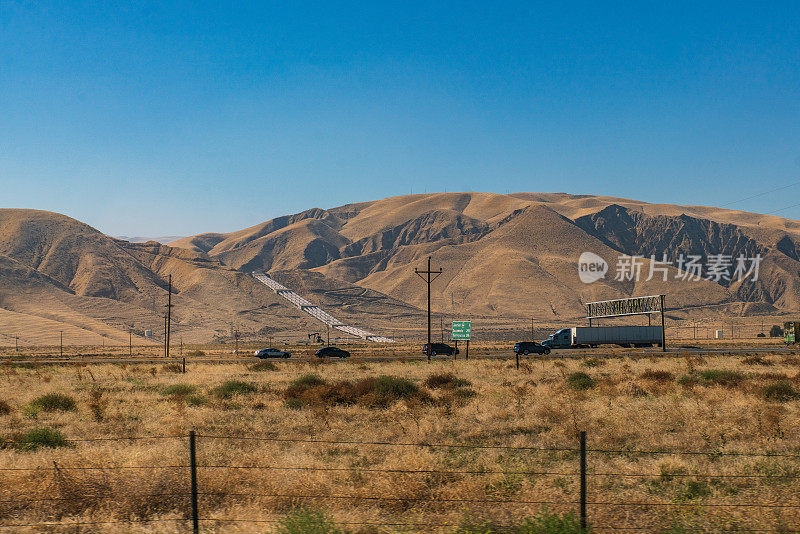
x=462, y=330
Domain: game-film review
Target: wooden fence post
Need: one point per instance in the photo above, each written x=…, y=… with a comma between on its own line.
x=193, y=475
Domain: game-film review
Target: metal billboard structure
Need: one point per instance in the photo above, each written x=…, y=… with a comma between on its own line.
x=648, y=305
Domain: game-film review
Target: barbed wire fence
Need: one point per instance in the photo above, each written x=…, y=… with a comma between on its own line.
x=191, y=505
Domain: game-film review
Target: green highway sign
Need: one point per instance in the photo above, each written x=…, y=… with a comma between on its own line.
x=462, y=330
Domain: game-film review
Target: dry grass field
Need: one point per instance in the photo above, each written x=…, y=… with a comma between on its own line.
x=436, y=448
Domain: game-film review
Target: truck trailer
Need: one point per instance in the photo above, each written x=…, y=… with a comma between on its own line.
x=592, y=336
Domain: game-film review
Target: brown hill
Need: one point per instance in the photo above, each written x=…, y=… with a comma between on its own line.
x=516, y=255
x=506, y=259
x=60, y=274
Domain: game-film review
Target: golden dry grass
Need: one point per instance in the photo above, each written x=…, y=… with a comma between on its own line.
x=638, y=404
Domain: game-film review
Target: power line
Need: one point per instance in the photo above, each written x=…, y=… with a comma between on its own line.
x=760, y=194
x=781, y=209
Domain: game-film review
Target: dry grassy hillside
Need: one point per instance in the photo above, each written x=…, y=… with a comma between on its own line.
x=59, y=274
x=517, y=254
x=505, y=257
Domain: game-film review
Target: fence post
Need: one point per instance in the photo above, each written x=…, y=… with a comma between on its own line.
x=193, y=474
x=583, y=482
x=184, y=365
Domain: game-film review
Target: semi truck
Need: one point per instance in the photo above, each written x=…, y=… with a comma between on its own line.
x=592, y=336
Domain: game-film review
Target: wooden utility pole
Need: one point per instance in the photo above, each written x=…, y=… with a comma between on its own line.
x=61, y=343
x=130, y=342
x=428, y=278
x=663, y=330
x=169, y=316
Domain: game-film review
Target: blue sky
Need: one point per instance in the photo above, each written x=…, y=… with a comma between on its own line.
x=180, y=118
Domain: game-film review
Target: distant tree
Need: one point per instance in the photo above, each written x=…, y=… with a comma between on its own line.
x=761, y=334
x=775, y=331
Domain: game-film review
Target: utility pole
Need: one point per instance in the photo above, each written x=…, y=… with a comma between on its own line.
x=663, y=327
x=169, y=316
x=441, y=327
x=61, y=343
x=328, y=333
x=531, y=328
x=16, y=343
x=165, y=335
x=428, y=278
x=130, y=342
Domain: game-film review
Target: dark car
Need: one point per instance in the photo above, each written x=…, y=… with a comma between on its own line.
x=530, y=347
x=331, y=352
x=440, y=348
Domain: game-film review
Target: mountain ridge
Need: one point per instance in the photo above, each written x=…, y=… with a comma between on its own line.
x=506, y=258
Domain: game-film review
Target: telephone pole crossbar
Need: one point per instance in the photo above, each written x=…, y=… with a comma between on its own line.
x=428, y=278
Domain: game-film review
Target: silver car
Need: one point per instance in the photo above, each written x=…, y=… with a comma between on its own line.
x=272, y=353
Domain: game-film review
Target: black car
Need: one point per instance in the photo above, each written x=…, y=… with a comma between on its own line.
x=528, y=347
x=440, y=348
x=331, y=352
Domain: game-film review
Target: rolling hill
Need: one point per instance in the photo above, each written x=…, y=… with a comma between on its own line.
x=517, y=255
x=506, y=259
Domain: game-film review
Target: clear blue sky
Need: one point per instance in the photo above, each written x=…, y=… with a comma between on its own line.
x=169, y=118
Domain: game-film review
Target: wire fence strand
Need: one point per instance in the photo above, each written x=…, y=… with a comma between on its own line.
x=789, y=475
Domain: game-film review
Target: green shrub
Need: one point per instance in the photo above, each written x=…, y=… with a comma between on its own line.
x=580, y=381
x=263, y=366
x=231, y=388
x=293, y=403
x=551, y=523
x=781, y=391
x=196, y=353
x=592, y=362
x=52, y=402
x=688, y=381
x=308, y=381
x=195, y=400
x=311, y=390
x=307, y=521
x=41, y=437
x=775, y=331
x=696, y=489
x=722, y=376
x=393, y=386
x=660, y=376
x=544, y=522
x=178, y=390
x=446, y=380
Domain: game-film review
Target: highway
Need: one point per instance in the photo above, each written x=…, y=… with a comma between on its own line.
x=476, y=355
